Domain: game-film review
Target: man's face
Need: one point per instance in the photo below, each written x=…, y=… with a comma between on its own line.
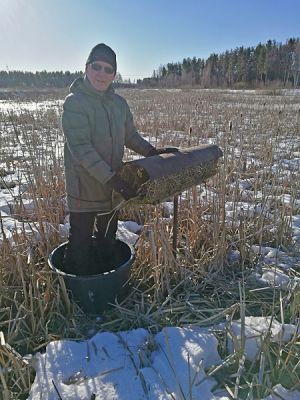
x=100, y=74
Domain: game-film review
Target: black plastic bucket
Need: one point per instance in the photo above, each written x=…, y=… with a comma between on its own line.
x=93, y=292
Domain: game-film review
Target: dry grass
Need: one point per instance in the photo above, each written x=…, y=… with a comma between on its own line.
x=154, y=191
x=199, y=286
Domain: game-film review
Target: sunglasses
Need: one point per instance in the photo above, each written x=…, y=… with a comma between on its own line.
x=98, y=68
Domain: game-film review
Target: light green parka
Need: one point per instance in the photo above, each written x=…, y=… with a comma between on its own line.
x=97, y=126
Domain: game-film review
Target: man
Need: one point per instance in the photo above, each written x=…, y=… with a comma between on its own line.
x=97, y=124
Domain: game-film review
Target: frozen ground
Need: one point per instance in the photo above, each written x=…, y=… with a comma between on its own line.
x=176, y=363
x=30, y=106
x=172, y=364
x=136, y=365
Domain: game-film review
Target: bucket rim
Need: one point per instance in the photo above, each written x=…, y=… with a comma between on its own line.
x=85, y=277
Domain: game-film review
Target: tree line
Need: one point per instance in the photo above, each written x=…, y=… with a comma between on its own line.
x=269, y=64
x=44, y=79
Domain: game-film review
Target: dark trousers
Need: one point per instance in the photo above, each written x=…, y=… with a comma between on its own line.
x=90, y=243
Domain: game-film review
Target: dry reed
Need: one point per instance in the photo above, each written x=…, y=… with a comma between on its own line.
x=199, y=286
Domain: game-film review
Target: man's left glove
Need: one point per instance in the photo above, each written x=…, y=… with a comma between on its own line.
x=162, y=150
x=122, y=187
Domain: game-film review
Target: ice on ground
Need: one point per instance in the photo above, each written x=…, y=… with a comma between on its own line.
x=29, y=205
x=6, y=235
x=281, y=393
x=128, y=365
x=182, y=356
x=64, y=230
x=31, y=230
x=168, y=208
x=25, y=106
x=208, y=196
x=233, y=256
x=125, y=232
x=294, y=220
x=293, y=164
x=138, y=365
x=244, y=210
x=35, y=232
x=289, y=200
x=274, y=256
x=101, y=365
x=271, y=277
x=131, y=226
x=245, y=184
x=256, y=331
x=7, y=201
x=135, y=365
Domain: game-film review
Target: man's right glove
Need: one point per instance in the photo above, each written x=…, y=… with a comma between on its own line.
x=122, y=187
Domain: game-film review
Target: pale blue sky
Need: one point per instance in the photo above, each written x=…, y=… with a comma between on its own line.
x=58, y=34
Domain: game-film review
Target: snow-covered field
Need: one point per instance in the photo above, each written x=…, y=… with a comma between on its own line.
x=254, y=201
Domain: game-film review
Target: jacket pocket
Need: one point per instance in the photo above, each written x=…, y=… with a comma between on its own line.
x=91, y=190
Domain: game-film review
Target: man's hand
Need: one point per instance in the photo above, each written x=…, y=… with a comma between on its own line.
x=163, y=150
x=122, y=187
